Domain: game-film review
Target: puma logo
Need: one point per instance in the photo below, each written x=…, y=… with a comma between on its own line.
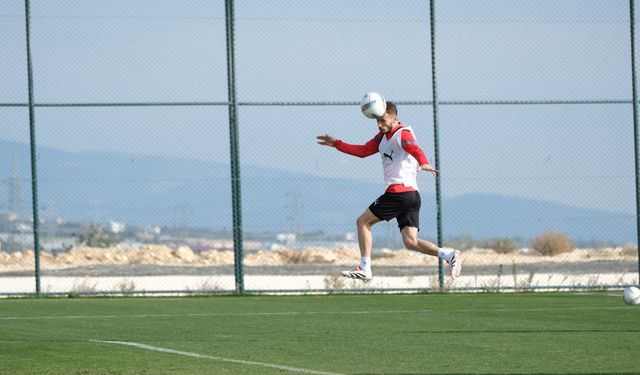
x=390, y=156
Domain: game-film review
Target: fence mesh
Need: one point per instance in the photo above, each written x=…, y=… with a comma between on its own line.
x=536, y=143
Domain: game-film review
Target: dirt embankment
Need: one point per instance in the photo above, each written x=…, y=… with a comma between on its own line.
x=185, y=256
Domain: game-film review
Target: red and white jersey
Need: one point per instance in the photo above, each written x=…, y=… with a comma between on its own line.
x=399, y=166
x=402, y=136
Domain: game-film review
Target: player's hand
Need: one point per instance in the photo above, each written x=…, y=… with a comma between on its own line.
x=428, y=168
x=326, y=140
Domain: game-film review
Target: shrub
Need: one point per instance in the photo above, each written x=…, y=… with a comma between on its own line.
x=502, y=245
x=629, y=251
x=551, y=243
x=97, y=236
x=73, y=294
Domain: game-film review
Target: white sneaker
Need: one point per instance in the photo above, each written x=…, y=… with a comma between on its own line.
x=358, y=273
x=455, y=263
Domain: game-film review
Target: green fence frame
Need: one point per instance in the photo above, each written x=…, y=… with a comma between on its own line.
x=233, y=105
x=632, y=32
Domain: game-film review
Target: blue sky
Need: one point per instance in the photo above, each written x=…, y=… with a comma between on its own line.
x=143, y=50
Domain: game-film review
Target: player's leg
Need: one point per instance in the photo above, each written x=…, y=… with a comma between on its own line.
x=365, y=239
x=412, y=242
x=451, y=256
x=409, y=222
x=365, y=242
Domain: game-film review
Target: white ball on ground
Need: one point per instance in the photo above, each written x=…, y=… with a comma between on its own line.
x=631, y=295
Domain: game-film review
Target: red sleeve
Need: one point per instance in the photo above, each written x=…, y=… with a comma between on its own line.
x=362, y=151
x=410, y=145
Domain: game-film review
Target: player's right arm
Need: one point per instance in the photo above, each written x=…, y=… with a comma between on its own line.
x=362, y=151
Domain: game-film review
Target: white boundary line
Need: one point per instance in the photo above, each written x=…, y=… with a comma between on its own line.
x=214, y=358
x=284, y=313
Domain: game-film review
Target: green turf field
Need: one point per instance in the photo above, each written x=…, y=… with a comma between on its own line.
x=545, y=333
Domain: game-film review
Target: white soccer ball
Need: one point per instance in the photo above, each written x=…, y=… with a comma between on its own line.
x=631, y=295
x=373, y=105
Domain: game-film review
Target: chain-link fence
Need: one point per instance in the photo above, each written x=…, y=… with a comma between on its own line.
x=168, y=139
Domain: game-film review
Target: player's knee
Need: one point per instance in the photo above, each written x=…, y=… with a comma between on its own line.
x=410, y=243
x=363, y=221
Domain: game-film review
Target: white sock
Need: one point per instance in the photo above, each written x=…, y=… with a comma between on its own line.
x=365, y=263
x=444, y=254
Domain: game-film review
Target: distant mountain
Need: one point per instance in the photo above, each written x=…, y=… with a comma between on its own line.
x=486, y=215
x=140, y=190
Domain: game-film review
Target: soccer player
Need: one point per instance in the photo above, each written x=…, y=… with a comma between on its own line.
x=401, y=160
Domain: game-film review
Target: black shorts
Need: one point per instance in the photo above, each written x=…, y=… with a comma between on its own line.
x=405, y=207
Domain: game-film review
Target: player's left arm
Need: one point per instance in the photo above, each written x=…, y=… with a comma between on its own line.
x=410, y=145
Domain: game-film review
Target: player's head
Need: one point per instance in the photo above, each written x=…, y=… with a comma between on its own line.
x=392, y=109
x=389, y=119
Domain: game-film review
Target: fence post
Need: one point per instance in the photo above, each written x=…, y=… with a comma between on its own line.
x=632, y=18
x=235, y=157
x=436, y=139
x=34, y=170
